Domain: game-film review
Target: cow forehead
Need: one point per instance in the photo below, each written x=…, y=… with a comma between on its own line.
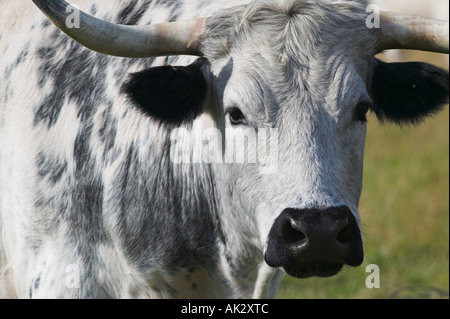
x=275, y=50
x=291, y=30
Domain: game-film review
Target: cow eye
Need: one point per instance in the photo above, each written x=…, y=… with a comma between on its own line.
x=361, y=111
x=236, y=116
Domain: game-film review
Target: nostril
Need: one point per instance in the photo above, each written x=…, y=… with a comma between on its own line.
x=344, y=236
x=290, y=234
x=347, y=234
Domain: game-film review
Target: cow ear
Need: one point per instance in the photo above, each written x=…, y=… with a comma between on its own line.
x=169, y=94
x=406, y=93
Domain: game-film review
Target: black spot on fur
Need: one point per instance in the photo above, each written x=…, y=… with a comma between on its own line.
x=158, y=207
x=50, y=167
x=79, y=77
x=123, y=16
x=169, y=94
x=172, y=291
x=82, y=150
x=35, y=283
x=85, y=214
x=130, y=14
x=46, y=23
x=176, y=10
x=108, y=131
x=93, y=9
x=23, y=55
x=406, y=93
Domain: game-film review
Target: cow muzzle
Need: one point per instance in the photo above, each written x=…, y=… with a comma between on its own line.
x=314, y=242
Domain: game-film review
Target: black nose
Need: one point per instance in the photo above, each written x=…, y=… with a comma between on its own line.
x=314, y=242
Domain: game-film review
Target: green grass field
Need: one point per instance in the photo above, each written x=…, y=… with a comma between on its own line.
x=405, y=213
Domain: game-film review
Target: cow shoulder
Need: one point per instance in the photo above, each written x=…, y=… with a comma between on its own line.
x=406, y=93
x=167, y=93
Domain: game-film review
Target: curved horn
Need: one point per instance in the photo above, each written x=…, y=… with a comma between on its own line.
x=400, y=31
x=172, y=38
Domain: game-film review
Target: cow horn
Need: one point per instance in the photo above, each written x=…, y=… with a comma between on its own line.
x=400, y=31
x=171, y=38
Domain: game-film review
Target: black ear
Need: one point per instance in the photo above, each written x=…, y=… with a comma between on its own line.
x=405, y=93
x=169, y=94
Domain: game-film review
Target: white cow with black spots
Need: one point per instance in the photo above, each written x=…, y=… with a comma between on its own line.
x=118, y=174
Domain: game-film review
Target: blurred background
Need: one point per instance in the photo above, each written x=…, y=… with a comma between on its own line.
x=405, y=202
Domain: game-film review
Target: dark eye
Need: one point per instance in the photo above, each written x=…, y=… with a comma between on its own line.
x=236, y=116
x=361, y=111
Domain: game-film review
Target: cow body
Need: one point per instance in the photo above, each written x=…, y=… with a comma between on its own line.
x=92, y=203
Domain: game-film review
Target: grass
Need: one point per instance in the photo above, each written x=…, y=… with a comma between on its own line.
x=405, y=212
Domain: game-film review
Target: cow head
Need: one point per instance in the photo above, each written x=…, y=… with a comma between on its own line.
x=301, y=71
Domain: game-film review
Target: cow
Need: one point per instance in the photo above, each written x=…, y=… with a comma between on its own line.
x=116, y=179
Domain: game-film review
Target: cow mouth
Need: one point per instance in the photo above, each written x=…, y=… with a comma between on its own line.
x=316, y=269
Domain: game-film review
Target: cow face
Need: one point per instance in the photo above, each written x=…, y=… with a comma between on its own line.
x=310, y=83
x=311, y=178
